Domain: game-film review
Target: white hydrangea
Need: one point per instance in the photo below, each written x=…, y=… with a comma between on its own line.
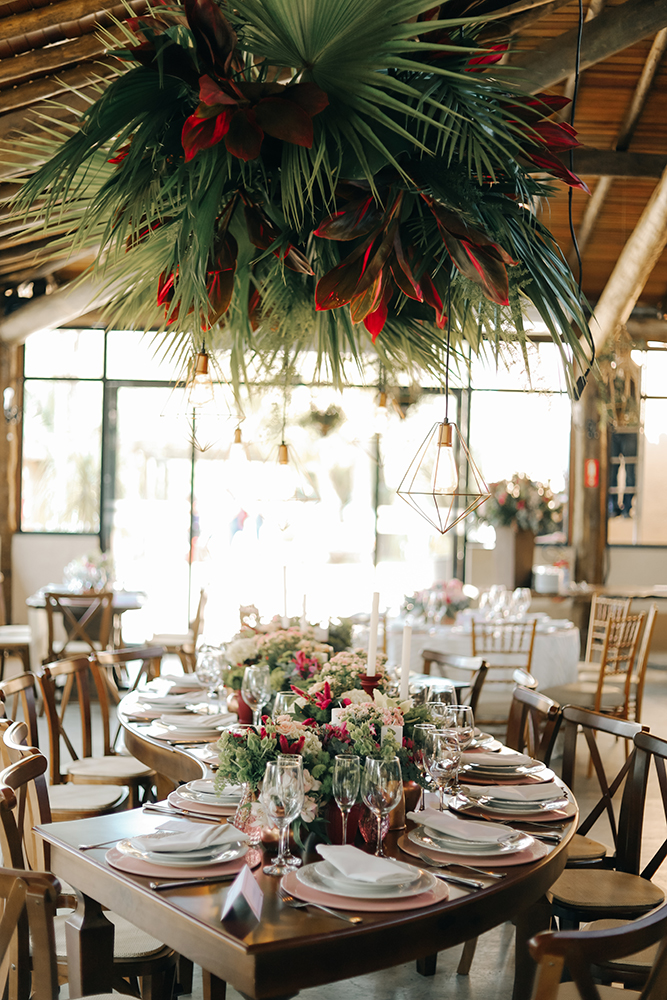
x=240, y=650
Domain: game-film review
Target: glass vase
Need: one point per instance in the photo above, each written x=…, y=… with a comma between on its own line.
x=248, y=816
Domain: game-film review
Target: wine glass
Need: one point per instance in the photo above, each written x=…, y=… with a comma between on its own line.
x=209, y=669
x=462, y=721
x=442, y=756
x=419, y=733
x=521, y=599
x=284, y=703
x=346, y=780
x=256, y=689
x=381, y=790
x=439, y=710
x=282, y=798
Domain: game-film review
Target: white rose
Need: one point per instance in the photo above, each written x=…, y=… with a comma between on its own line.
x=355, y=696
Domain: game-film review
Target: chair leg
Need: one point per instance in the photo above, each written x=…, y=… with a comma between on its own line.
x=214, y=988
x=467, y=956
x=427, y=966
x=159, y=985
x=184, y=969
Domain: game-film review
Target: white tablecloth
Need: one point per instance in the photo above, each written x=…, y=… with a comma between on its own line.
x=555, y=652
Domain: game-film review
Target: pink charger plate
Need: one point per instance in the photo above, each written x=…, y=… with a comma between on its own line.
x=439, y=894
x=533, y=853
x=137, y=866
x=179, y=801
x=541, y=816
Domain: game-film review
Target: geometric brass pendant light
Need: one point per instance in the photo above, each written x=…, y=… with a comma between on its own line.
x=436, y=486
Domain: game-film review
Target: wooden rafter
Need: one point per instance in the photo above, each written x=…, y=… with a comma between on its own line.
x=37, y=28
x=53, y=86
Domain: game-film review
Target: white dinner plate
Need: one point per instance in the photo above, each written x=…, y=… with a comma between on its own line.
x=189, y=859
x=464, y=802
x=206, y=798
x=339, y=882
x=433, y=841
x=309, y=876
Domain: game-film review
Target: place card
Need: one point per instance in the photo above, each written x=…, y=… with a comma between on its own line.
x=244, y=898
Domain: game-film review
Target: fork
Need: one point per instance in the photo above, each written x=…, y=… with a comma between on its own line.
x=298, y=904
x=454, y=864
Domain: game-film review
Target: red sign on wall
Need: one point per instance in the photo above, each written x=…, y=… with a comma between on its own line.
x=591, y=472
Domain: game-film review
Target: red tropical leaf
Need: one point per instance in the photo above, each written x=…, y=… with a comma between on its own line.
x=362, y=305
x=165, y=288
x=204, y=132
x=121, y=154
x=210, y=93
x=358, y=218
x=296, y=261
x=244, y=137
x=355, y=273
x=376, y=320
x=450, y=223
x=308, y=96
x=538, y=106
x=401, y=272
x=284, y=120
x=481, y=266
x=557, y=135
x=432, y=298
x=261, y=231
x=494, y=55
x=214, y=36
x=547, y=161
x=254, y=316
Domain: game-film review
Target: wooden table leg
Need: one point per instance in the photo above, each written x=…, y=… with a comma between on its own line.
x=214, y=988
x=89, y=937
x=529, y=922
x=427, y=966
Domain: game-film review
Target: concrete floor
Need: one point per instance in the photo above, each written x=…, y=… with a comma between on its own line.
x=492, y=971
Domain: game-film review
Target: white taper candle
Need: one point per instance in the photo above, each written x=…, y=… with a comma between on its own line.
x=373, y=636
x=405, y=662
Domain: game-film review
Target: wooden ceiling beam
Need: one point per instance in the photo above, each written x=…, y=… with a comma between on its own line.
x=41, y=62
x=607, y=162
x=633, y=267
x=615, y=29
x=523, y=21
x=52, y=86
x=23, y=122
x=79, y=17
x=53, y=266
x=51, y=311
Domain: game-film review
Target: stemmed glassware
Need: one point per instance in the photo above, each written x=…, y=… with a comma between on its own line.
x=462, y=721
x=282, y=797
x=346, y=780
x=256, y=689
x=442, y=756
x=419, y=734
x=521, y=599
x=381, y=790
x=209, y=671
x=284, y=703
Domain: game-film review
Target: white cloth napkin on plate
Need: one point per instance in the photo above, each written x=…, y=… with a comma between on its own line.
x=177, y=835
x=518, y=793
x=463, y=829
x=362, y=867
x=498, y=759
x=206, y=786
x=198, y=722
x=167, y=700
x=183, y=680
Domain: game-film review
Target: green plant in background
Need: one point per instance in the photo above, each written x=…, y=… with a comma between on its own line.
x=283, y=174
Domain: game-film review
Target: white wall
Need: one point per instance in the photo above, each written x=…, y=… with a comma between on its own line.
x=40, y=559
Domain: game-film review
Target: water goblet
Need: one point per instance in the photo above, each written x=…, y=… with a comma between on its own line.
x=521, y=599
x=462, y=721
x=419, y=733
x=256, y=689
x=381, y=790
x=282, y=797
x=439, y=711
x=346, y=780
x=209, y=670
x=284, y=703
x=442, y=756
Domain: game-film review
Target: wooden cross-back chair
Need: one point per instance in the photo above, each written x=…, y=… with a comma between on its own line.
x=533, y=724
x=472, y=669
x=582, y=952
x=505, y=647
x=86, y=769
x=24, y=803
x=86, y=618
x=603, y=609
x=110, y=660
x=616, y=887
x=19, y=693
x=184, y=645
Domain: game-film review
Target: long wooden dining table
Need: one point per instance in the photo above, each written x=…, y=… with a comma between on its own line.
x=287, y=950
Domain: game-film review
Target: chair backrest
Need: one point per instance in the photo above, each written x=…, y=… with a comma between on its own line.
x=86, y=617
x=642, y=660
x=75, y=671
x=197, y=622
x=603, y=609
x=504, y=644
x=19, y=692
x=648, y=749
x=580, y=950
x=21, y=847
x=620, y=644
x=470, y=668
x=525, y=680
x=533, y=723
x=108, y=660
x=30, y=902
x=612, y=780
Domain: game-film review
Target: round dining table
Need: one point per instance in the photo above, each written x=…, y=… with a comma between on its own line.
x=287, y=950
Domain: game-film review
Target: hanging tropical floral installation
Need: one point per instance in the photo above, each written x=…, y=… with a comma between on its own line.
x=274, y=175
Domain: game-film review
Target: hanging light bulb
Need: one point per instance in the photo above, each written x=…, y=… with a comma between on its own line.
x=200, y=385
x=207, y=407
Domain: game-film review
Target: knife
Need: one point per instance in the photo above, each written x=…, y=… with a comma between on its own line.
x=182, y=883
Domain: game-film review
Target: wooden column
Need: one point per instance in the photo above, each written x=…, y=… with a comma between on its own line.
x=589, y=514
x=11, y=361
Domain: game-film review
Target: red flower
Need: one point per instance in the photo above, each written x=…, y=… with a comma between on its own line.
x=242, y=113
x=547, y=137
x=323, y=698
x=291, y=748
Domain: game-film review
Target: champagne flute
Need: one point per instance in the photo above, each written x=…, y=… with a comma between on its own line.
x=346, y=780
x=419, y=733
x=282, y=797
x=462, y=721
x=209, y=671
x=256, y=689
x=381, y=790
x=442, y=755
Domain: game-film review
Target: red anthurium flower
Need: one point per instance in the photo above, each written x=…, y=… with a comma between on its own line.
x=301, y=694
x=323, y=698
x=346, y=702
x=310, y=722
x=242, y=113
x=291, y=748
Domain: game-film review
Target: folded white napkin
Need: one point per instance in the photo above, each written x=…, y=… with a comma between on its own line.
x=463, y=829
x=166, y=701
x=178, y=835
x=361, y=867
x=518, y=793
x=183, y=680
x=198, y=722
x=483, y=759
x=206, y=786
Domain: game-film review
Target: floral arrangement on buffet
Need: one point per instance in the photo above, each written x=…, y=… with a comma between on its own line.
x=441, y=601
x=291, y=653
x=357, y=177
x=94, y=571
x=520, y=501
